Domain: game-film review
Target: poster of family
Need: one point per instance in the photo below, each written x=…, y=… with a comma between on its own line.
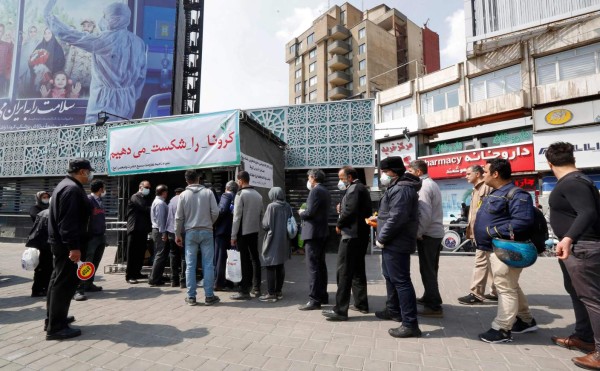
x=64, y=61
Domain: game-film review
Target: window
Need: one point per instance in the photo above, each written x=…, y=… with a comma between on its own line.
x=310, y=39
x=293, y=49
x=298, y=73
x=343, y=16
x=568, y=65
x=349, y=85
x=312, y=67
x=306, y=85
x=298, y=60
x=362, y=65
x=312, y=81
x=300, y=46
x=440, y=99
x=362, y=81
x=312, y=53
x=361, y=33
x=362, y=48
x=298, y=87
x=496, y=83
x=298, y=100
x=397, y=110
x=312, y=95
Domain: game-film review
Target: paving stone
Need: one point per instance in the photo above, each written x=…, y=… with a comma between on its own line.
x=325, y=359
x=254, y=360
x=351, y=362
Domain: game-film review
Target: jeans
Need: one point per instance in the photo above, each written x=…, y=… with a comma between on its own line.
x=93, y=253
x=275, y=278
x=351, y=275
x=251, y=274
x=482, y=275
x=317, y=270
x=429, y=262
x=161, y=256
x=199, y=239
x=401, y=297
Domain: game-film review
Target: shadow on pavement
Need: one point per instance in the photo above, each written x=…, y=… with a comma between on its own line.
x=6, y=281
x=22, y=315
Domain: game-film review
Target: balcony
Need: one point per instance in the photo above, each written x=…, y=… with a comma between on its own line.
x=339, y=78
x=499, y=104
x=441, y=118
x=568, y=89
x=339, y=93
x=339, y=32
x=338, y=62
x=338, y=47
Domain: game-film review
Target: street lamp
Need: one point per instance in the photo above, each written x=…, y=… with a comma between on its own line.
x=103, y=117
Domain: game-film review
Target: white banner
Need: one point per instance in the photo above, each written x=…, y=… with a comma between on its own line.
x=586, y=141
x=175, y=143
x=261, y=173
x=405, y=148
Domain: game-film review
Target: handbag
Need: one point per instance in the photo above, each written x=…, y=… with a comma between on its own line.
x=234, y=266
x=30, y=259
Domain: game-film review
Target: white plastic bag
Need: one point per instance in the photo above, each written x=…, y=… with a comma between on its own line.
x=234, y=266
x=30, y=259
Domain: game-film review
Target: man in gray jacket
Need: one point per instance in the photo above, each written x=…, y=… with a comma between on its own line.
x=197, y=211
x=429, y=239
x=247, y=217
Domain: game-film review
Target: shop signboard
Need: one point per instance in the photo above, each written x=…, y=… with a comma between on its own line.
x=586, y=141
x=568, y=115
x=403, y=147
x=454, y=165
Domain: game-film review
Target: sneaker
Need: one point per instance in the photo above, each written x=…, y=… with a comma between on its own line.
x=210, y=300
x=190, y=301
x=279, y=295
x=496, y=336
x=79, y=296
x=255, y=293
x=470, y=300
x=491, y=297
x=240, y=296
x=521, y=327
x=267, y=298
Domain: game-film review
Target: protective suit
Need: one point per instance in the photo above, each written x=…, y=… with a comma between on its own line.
x=118, y=60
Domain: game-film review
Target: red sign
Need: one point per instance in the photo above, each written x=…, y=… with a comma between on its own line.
x=85, y=271
x=454, y=165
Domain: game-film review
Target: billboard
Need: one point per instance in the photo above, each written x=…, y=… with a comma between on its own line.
x=64, y=61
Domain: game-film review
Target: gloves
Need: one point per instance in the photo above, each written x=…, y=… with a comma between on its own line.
x=379, y=244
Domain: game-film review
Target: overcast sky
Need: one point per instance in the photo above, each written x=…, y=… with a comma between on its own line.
x=244, y=44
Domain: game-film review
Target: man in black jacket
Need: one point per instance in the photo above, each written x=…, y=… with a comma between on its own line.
x=314, y=233
x=397, y=224
x=67, y=232
x=138, y=227
x=351, y=276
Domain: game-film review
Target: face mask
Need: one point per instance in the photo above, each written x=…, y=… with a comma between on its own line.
x=145, y=191
x=309, y=185
x=385, y=179
x=103, y=194
x=90, y=176
x=342, y=185
x=45, y=201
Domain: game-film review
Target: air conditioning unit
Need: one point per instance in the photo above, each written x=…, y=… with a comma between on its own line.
x=474, y=144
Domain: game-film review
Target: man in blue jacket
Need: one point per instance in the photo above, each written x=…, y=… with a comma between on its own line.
x=510, y=219
x=397, y=223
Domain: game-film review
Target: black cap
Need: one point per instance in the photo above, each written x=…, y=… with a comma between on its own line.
x=394, y=163
x=179, y=190
x=78, y=164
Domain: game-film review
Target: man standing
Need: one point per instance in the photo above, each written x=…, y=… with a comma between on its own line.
x=315, y=230
x=247, y=217
x=97, y=243
x=351, y=276
x=138, y=227
x=197, y=211
x=575, y=219
x=429, y=239
x=223, y=235
x=397, y=224
x=482, y=272
x=511, y=219
x=6, y=52
x=67, y=233
x=177, y=264
x=158, y=217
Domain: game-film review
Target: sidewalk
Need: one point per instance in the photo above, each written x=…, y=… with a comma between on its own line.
x=137, y=327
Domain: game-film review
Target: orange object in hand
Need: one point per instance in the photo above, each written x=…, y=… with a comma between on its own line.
x=372, y=221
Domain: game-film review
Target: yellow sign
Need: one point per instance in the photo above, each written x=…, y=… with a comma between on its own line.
x=559, y=116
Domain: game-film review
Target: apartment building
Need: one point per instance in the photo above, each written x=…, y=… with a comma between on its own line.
x=348, y=53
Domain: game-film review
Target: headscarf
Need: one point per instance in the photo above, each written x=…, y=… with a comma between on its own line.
x=56, y=54
x=276, y=194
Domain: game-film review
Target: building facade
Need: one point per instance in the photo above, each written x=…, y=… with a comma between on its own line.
x=349, y=53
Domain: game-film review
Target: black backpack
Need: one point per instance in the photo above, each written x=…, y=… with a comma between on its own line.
x=539, y=231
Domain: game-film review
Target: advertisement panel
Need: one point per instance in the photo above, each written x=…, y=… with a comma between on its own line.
x=64, y=61
x=557, y=117
x=176, y=143
x=455, y=165
x=405, y=148
x=586, y=141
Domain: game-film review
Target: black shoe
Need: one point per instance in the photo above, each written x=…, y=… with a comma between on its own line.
x=405, y=332
x=93, y=288
x=210, y=300
x=141, y=276
x=332, y=315
x=65, y=333
x=38, y=294
x=174, y=284
x=255, y=293
x=156, y=283
x=190, y=301
x=240, y=296
x=521, y=327
x=496, y=336
x=70, y=319
x=386, y=316
x=79, y=296
x=279, y=295
x=363, y=311
x=420, y=301
x=325, y=301
x=132, y=281
x=491, y=297
x=182, y=285
x=470, y=300
x=433, y=313
x=311, y=305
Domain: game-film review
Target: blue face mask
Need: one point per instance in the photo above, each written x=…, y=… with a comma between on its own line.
x=145, y=191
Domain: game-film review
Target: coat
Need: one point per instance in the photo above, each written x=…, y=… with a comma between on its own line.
x=225, y=219
x=316, y=216
x=276, y=244
x=69, y=215
x=355, y=207
x=138, y=214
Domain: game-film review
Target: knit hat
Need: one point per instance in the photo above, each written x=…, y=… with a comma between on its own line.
x=394, y=163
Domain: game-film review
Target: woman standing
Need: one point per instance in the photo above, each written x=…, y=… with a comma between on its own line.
x=276, y=244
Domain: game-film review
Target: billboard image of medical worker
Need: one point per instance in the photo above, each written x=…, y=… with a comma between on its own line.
x=77, y=58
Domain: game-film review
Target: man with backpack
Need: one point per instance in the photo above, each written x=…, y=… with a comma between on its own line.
x=509, y=218
x=575, y=219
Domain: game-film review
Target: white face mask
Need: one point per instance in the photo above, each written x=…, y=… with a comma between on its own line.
x=385, y=179
x=90, y=176
x=342, y=186
x=103, y=194
x=45, y=201
x=145, y=191
x=309, y=185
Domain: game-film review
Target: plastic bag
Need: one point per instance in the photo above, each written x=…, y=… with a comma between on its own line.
x=292, y=228
x=30, y=259
x=234, y=266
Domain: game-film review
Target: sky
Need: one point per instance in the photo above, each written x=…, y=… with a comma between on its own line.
x=243, y=62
